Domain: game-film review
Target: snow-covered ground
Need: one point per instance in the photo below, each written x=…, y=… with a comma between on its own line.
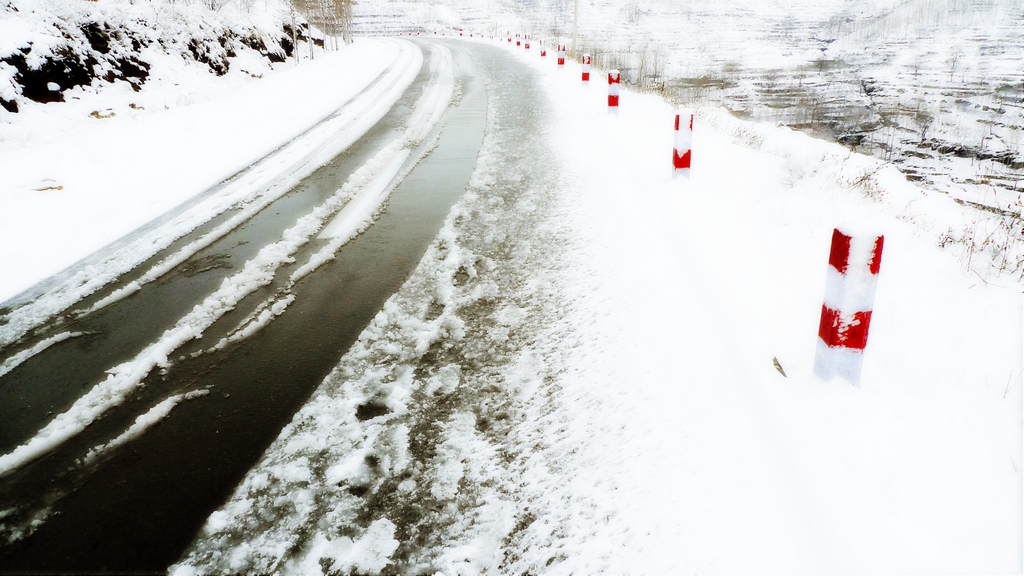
x=580, y=375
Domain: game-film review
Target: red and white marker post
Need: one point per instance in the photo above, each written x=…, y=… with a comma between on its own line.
x=543, y=51
x=853, y=266
x=683, y=141
x=586, y=69
x=613, y=91
x=561, y=55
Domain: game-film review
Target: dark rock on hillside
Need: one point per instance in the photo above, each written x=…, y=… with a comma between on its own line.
x=215, y=58
x=96, y=50
x=62, y=71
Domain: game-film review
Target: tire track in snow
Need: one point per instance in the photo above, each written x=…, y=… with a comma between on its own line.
x=16, y=360
x=257, y=272
x=367, y=189
x=274, y=175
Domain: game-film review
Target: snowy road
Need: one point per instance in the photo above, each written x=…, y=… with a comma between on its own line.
x=578, y=375
x=220, y=337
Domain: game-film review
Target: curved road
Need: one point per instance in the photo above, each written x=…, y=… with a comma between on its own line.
x=128, y=492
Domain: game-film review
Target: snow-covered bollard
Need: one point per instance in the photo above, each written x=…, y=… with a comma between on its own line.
x=586, y=68
x=613, y=91
x=543, y=51
x=681, y=149
x=561, y=55
x=850, y=285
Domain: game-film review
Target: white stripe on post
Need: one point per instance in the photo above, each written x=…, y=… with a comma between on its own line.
x=850, y=284
x=683, y=141
x=586, y=68
x=613, y=91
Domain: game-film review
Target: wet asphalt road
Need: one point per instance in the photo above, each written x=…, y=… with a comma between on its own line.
x=138, y=508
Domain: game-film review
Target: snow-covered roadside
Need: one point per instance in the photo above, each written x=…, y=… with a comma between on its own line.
x=918, y=470
x=579, y=377
x=714, y=277
x=125, y=172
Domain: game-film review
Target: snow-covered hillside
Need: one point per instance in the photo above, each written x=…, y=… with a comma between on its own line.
x=936, y=88
x=66, y=49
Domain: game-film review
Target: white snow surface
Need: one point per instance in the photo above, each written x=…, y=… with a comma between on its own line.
x=580, y=376
x=589, y=349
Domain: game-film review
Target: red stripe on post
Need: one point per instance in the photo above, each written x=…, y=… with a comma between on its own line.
x=838, y=334
x=827, y=324
x=682, y=145
x=680, y=161
x=613, y=89
x=876, y=255
x=839, y=255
